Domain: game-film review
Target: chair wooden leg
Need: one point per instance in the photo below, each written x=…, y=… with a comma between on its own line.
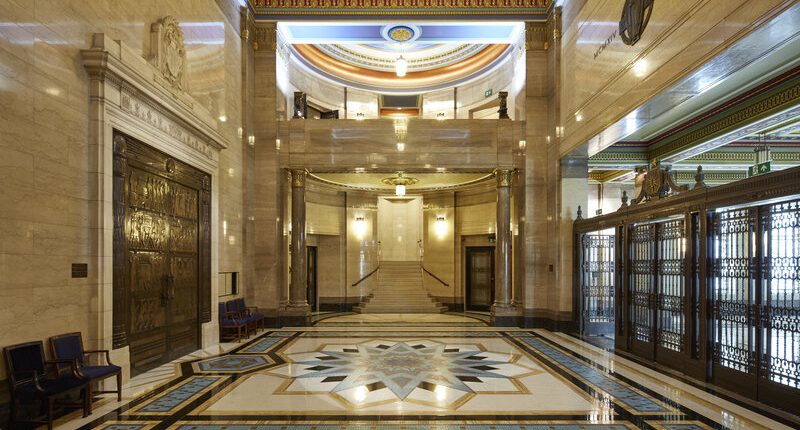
x=87, y=404
x=119, y=387
x=12, y=415
x=50, y=401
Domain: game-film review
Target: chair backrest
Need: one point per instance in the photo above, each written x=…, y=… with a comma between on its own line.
x=233, y=307
x=68, y=346
x=22, y=359
x=240, y=304
x=222, y=312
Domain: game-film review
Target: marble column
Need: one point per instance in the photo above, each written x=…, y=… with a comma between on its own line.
x=504, y=312
x=298, y=287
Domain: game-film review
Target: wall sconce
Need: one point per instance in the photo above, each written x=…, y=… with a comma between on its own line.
x=360, y=227
x=360, y=116
x=440, y=116
x=523, y=144
x=440, y=226
x=278, y=144
x=251, y=140
x=401, y=146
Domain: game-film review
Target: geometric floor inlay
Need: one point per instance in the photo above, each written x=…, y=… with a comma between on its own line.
x=423, y=369
x=413, y=378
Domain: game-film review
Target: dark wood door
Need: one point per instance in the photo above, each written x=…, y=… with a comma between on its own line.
x=161, y=250
x=480, y=278
x=311, y=277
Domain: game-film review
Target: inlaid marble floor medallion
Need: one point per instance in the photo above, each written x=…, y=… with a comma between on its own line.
x=386, y=371
x=413, y=378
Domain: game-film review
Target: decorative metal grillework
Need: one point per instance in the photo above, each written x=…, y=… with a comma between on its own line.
x=780, y=310
x=733, y=284
x=597, y=287
x=642, y=262
x=670, y=307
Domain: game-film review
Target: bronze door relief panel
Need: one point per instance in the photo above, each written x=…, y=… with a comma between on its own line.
x=161, y=254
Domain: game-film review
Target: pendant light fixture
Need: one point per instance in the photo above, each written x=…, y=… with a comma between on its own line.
x=400, y=182
x=401, y=67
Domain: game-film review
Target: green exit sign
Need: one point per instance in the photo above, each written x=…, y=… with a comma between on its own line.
x=759, y=169
x=487, y=93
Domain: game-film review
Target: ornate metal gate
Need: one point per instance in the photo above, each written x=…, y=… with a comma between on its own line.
x=597, y=285
x=756, y=301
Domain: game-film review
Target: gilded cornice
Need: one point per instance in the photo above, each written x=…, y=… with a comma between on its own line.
x=275, y=8
x=775, y=101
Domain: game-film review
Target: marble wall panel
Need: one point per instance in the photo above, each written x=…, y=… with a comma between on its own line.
x=439, y=241
x=47, y=215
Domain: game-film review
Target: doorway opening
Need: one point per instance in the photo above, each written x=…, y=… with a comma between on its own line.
x=597, y=283
x=480, y=278
x=311, y=277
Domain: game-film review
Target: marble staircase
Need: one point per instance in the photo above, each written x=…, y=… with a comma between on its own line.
x=400, y=290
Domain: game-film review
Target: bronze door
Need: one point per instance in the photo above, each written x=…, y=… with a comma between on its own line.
x=161, y=254
x=480, y=278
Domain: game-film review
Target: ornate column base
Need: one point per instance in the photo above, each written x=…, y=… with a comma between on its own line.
x=294, y=316
x=506, y=316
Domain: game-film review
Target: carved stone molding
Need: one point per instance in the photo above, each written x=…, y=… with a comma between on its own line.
x=133, y=103
x=168, y=51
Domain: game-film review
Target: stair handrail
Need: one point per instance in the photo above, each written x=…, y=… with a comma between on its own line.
x=435, y=277
x=366, y=276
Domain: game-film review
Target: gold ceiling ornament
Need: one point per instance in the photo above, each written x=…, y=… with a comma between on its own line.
x=400, y=183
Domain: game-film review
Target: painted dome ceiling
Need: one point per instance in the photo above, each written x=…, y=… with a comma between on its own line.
x=363, y=55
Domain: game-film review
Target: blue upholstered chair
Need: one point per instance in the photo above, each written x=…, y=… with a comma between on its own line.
x=250, y=313
x=31, y=378
x=230, y=323
x=69, y=346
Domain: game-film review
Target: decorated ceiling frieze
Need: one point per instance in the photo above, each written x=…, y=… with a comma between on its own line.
x=526, y=9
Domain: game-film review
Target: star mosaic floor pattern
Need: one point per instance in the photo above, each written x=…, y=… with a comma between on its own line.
x=412, y=377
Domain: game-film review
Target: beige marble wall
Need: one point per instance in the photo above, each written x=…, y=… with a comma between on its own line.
x=362, y=242
x=475, y=220
x=439, y=239
x=270, y=221
x=680, y=36
x=46, y=218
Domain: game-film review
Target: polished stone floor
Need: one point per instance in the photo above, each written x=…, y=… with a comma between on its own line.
x=411, y=372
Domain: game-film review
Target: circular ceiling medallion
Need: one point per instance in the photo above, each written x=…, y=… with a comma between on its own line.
x=401, y=33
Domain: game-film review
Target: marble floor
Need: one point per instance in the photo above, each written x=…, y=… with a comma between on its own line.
x=401, y=372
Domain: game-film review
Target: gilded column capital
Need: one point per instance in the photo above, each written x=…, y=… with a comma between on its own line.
x=535, y=36
x=298, y=178
x=266, y=38
x=504, y=177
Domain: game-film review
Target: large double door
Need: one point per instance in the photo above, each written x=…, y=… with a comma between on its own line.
x=161, y=248
x=659, y=312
